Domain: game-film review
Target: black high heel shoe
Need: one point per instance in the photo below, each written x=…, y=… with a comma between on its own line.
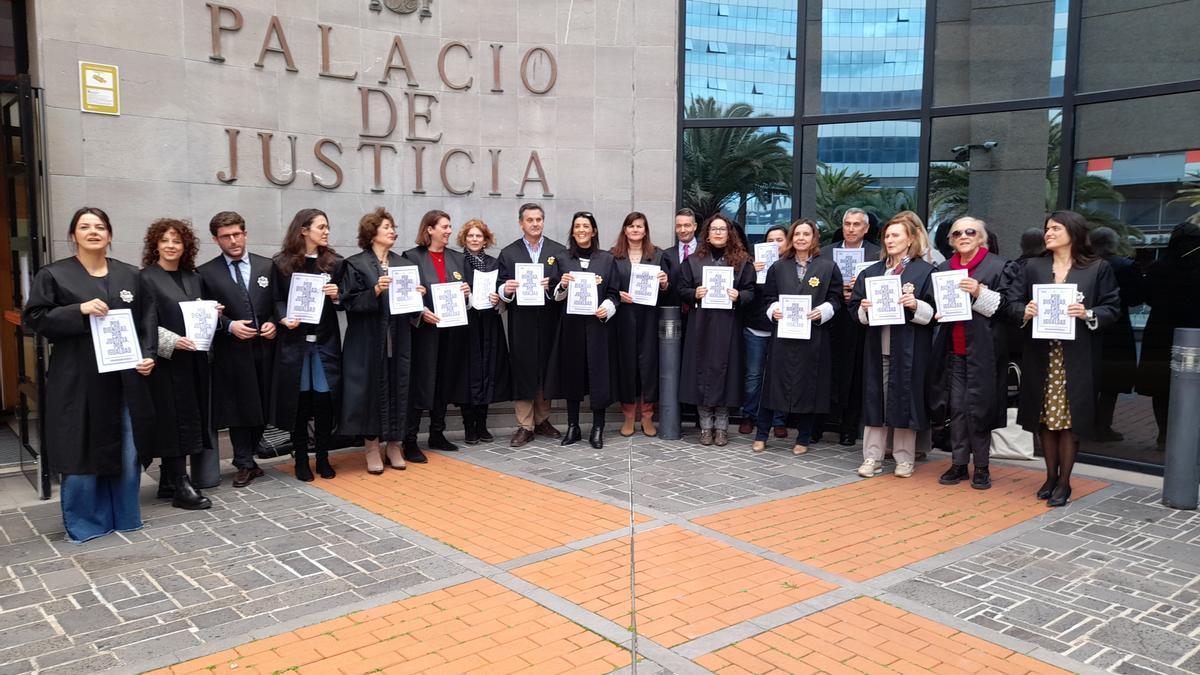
x=1046, y=490
x=1060, y=500
x=572, y=436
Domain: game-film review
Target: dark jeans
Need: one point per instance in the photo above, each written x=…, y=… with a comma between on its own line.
x=244, y=441
x=805, y=423
x=756, y=362
x=967, y=440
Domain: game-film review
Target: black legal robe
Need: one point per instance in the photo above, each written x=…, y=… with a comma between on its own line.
x=1081, y=356
x=987, y=353
x=488, y=376
x=293, y=345
x=241, y=369
x=848, y=339
x=1119, y=343
x=799, y=373
x=714, y=351
x=637, y=336
x=911, y=346
x=583, y=356
x=531, y=329
x=180, y=383
x=439, y=374
x=673, y=266
x=1172, y=285
x=376, y=354
x=83, y=406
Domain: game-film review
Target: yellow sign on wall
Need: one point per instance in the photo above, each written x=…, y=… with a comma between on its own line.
x=99, y=88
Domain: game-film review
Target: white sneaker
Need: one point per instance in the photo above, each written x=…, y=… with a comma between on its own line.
x=870, y=467
x=904, y=469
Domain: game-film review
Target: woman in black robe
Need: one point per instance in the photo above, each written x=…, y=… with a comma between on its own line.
x=583, y=355
x=798, y=375
x=100, y=419
x=179, y=383
x=488, y=378
x=637, y=326
x=968, y=381
x=896, y=357
x=439, y=376
x=1060, y=377
x=308, y=358
x=376, y=354
x=1172, y=285
x=714, y=353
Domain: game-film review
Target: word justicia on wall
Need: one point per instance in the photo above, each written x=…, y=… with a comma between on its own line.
x=381, y=112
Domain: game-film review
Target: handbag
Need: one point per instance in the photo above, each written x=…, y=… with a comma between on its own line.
x=1012, y=442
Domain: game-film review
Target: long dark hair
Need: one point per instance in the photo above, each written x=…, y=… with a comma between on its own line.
x=574, y=247
x=290, y=258
x=156, y=231
x=620, y=250
x=735, y=248
x=1077, y=229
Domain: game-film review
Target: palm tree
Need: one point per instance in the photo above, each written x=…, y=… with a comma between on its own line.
x=1190, y=195
x=727, y=166
x=845, y=188
x=949, y=190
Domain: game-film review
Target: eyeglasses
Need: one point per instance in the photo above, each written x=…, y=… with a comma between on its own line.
x=718, y=229
x=969, y=232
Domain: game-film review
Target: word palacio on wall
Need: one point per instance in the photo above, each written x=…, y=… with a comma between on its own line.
x=539, y=72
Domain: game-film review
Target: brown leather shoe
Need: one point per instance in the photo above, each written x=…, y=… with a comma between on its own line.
x=544, y=428
x=706, y=437
x=720, y=438
x=246, y=476
x=781, y=432
x=745, y=428
x=520, y=437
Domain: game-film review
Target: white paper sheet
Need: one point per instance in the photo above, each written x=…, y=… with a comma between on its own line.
x=859, y=268
x=403, y=297
x=1052, y=322
x=449, y=304
x=115, y=340
x=846, y=259
x=953, y=303
x=482, y=287
x=643, y=284
x=199, y=322
x=884, y=294
x=581, y=294
x=718, y=281
x=795, y=323
x=766, y=252
x=529, y=284
x=306, y=300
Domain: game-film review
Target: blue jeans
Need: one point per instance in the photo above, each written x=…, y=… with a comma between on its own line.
x=756, y=362
x=312, y=373
x=94, y=506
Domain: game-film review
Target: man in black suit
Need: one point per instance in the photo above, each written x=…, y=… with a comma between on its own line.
x=685, y=232
x=243, y=346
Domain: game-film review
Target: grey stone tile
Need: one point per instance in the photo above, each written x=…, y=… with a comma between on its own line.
x=1139, y=638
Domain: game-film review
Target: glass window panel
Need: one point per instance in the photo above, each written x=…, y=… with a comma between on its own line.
x=1129, y=43
x=861, y=60
x=743, y=172
x=995, y=50
x=741, y=53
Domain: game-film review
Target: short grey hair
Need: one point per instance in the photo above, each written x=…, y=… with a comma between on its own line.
x=971, y=220
x=854, y=210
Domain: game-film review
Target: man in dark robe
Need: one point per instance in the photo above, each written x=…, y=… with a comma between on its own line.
x=243, y=347
x=531, y=328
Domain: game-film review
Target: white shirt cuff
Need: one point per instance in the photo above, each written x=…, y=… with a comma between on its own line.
x=505, y=298
x=1092, y=323
x=560, y=293
x=987, y=303
x=771, y=311
x=862, y=316
x=826, y=311
x=612, y=310
x=923, y=314
x=166, y=342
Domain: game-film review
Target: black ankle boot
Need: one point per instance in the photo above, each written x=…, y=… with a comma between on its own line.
x=165, y=489
x=303, y=470
x=481, y=429
x=982, y=480
x=470, y=428
x=438, y=441
x=597, y=437
x=955, y=474
x=324, y=470
x=572, y=436
x=187, y=496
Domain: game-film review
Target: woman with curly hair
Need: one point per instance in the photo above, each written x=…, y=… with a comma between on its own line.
x=179, y=384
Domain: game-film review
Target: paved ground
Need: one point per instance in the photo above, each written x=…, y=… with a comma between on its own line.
x=498, y=560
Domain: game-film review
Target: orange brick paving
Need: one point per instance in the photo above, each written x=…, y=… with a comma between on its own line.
x=688, y=584
x=870, y=527
x=490, y=515
x=868, y=636
x=478, y=626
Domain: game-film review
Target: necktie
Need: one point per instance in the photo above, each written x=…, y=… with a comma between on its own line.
x=241, y=282
x=686, y=250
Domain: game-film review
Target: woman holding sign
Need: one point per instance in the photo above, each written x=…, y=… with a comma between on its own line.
x=757, y=333
x=487, y=350
x=714, y=349
x=637, y=323
x=180, y=382
x=308, y=358
x=583, y=356
x=1058, y=392
x=798, y=377
x=100, y=413
x=439, y=375
x=893, y=299
x=376, y=355
x=968, y=380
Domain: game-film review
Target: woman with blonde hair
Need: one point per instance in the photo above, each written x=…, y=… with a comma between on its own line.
x=487, y=349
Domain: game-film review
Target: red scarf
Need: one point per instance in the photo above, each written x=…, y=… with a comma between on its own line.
x=958, y=334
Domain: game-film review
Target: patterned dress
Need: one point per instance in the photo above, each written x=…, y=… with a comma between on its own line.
x=1056, y=409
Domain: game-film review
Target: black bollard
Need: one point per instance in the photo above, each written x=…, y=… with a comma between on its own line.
x=1181, y=474
x=670, y=351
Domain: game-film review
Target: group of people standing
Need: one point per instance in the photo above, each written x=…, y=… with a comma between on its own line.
x=389, y=370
